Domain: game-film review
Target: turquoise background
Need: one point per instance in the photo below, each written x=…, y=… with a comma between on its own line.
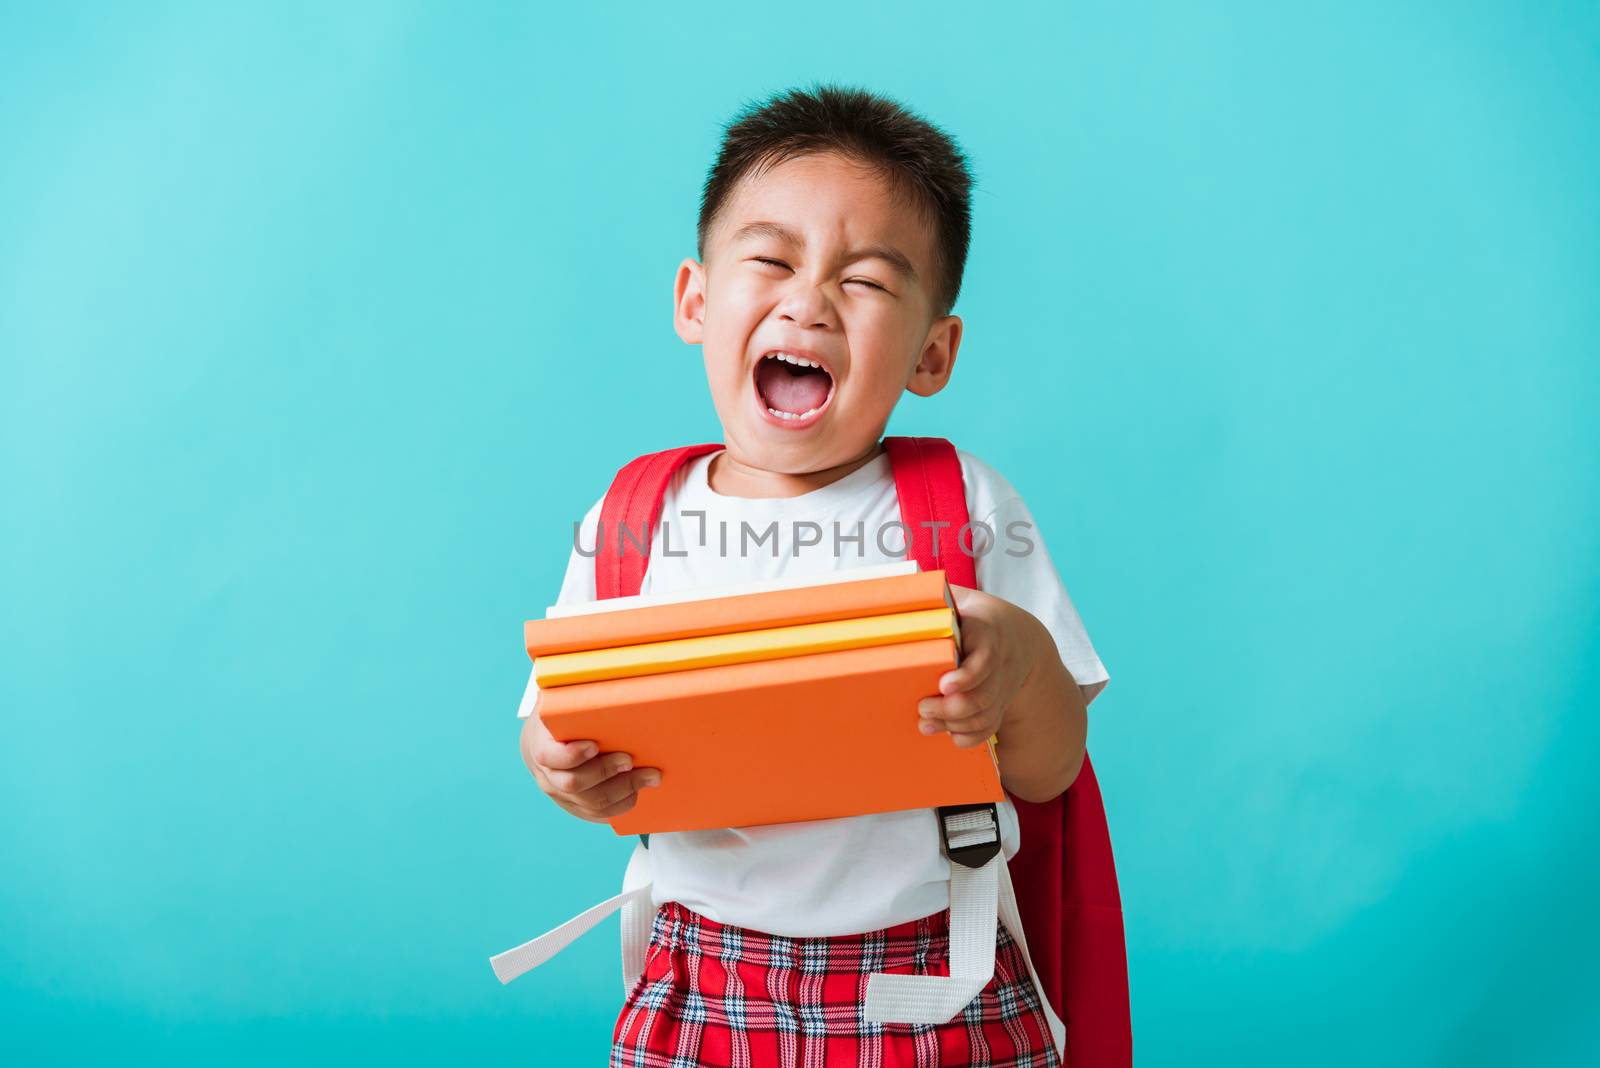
x=320, y=324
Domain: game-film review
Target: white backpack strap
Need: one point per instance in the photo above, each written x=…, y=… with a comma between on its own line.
x=980, y=894
x=638, y=915
x=634, y=901
x=1011, y=916
x=971, y=835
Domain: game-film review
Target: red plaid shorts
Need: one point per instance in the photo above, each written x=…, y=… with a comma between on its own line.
x=719, y=996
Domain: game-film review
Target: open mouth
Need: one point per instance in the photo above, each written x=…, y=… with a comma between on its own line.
x=793, y=388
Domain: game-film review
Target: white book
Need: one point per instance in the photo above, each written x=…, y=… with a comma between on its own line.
x=702, y=593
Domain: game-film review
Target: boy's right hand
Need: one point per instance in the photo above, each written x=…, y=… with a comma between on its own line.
x=587, y=783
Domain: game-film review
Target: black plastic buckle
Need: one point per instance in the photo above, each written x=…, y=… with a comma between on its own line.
x=979, y=853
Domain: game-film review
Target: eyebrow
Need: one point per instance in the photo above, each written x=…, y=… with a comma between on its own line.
x=888, y=253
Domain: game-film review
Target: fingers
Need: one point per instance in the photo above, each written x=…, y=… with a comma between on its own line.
x=558, y=756
x=962, y=713
x=595, y=787
x=958, y=711
x=616, y=795
x=589, y=774
x=622, y=793
x=969, y=741
x=971, y=673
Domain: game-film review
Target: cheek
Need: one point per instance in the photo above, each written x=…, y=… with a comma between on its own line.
x=880, y=346
x=735, y=308
x=878, y=319
x=741, y=293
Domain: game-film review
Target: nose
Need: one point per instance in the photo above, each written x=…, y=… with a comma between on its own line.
x=807, y=306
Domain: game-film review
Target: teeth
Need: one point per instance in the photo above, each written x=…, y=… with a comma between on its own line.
x=791, y=415
x=798, y=361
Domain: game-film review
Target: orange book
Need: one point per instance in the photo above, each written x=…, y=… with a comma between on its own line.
x=744, y=611
x=809, y=737
x=766, y=643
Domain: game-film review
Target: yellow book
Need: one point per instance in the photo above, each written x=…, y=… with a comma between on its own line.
x=770, y=643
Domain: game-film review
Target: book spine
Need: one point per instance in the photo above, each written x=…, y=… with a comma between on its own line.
x=564, y=669
x=793, y=607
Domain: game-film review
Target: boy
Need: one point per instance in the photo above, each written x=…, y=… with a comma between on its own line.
x=833, y=234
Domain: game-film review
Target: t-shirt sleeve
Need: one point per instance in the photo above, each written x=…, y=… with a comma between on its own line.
x=1017, y=567
x=577, y=585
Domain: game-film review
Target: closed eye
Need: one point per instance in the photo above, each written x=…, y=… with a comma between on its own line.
x=770, y=262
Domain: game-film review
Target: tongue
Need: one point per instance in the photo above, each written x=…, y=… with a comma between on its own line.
x=788, y=391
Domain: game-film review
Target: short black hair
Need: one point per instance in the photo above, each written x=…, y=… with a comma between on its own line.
x=915, y=156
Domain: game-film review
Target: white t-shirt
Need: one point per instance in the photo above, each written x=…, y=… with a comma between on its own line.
x=860, y=873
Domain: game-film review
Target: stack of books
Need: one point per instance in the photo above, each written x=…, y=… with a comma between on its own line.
x=771, y=702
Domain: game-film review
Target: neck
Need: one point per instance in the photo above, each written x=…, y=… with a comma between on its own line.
x=732, y=477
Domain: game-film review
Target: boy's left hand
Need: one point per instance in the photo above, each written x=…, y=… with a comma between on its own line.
x=996, y=659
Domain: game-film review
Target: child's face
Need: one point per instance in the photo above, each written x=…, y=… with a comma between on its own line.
x=816, y=258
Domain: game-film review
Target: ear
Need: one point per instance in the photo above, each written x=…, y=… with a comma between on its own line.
x=689, y=301
x=938, y=357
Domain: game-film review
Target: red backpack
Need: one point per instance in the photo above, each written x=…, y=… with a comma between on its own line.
x=1066, y=881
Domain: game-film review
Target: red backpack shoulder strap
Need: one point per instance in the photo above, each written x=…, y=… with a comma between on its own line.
x=628, y=518
x=1065, y=877
x=933, y=505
